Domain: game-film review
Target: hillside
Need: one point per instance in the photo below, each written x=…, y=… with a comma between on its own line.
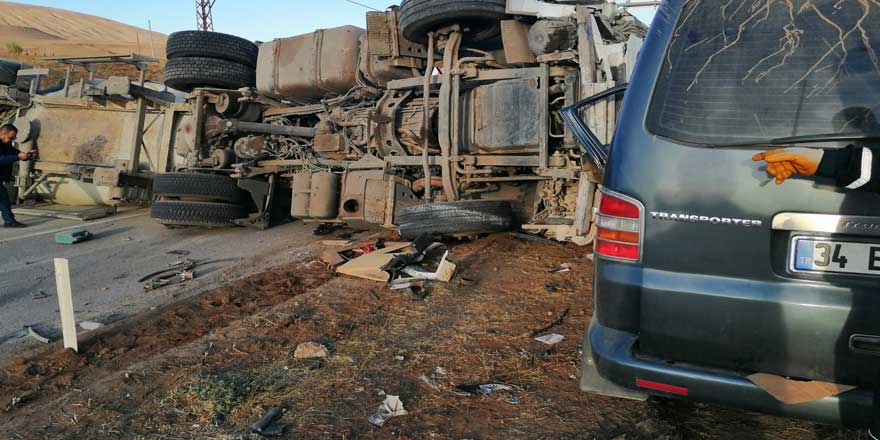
x=50, y=32
x=43, y=31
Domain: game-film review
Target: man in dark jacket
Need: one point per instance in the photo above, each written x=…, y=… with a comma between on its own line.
x=853, y=167
x=8, y=156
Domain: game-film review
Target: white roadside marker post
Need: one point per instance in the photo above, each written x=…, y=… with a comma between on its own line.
x=65, y=303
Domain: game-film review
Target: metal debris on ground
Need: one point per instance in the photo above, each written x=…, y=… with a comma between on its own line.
x=551, y=339
x=267, y=425
x=513, y=400
x=484, y=389
x=72, y=237
x=391, y=407
x=177, y=273
x=311, y=350
x=29, y=331
x=563, y=268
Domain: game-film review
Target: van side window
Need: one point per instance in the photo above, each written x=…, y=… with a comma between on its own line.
x=751, y=71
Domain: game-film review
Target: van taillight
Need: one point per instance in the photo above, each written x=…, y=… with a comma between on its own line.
x=619, y=228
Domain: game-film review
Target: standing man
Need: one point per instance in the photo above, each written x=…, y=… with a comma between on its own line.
x=853, y=167
x=8, y=156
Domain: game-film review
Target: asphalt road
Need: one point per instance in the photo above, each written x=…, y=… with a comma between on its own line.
x=105, y=271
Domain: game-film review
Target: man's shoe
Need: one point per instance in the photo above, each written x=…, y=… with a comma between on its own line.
x=15, y=224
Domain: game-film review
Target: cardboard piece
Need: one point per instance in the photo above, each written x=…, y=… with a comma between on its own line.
x=369, y=266
x=792, y=392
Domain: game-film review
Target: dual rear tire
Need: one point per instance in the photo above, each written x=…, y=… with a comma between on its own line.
x=209, y=59
x=195, y=199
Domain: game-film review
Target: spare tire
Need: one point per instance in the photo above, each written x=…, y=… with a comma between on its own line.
x=190, y=72
x=212, y=187
x=9, y=72
x=186, y=44
x=202, y=214
x=456, y=218
x=481, y=18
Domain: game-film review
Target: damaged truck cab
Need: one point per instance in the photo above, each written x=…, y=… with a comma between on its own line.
x=442, y=115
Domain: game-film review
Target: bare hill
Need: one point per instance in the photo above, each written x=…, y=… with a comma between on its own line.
x=41, y=32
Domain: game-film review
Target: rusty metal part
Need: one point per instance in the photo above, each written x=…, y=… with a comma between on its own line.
x=450, y=57
x=548, y=36
x=232, y=126
x=330, y=143
x=222, y=158
x=419, y=184
x=251, y=147
x=515, y=35
x=310, y=66
x=324, y=200
x=385, y=124
x=426, y=114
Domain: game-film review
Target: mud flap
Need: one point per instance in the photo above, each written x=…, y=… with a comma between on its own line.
x=592, y=382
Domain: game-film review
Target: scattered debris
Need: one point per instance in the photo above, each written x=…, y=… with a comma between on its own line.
x=556, y=322
x=336, y=243
x=29, y=330
x=793, y=392
x=327, y=228
x=311, y=350
x=90, y=325
x=440, y=371
x=391, y=407
x=552, y=287
x=177, y=273
x=178, y=252
x=429, y=380
x=373, y=266
x=444, y=272
x=41, y=295
x=484, y=389
x=72, y=237
x=551, y=339
x=267, y=426
x=513, y=400
x=563, y=268
x=399, y=358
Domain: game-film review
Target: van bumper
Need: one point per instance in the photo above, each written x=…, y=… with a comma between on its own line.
x=609, y=363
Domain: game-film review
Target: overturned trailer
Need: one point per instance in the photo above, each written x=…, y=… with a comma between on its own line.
x=100, y=140
x=442, y=116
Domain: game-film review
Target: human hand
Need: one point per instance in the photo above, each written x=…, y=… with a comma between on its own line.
x=784, y=163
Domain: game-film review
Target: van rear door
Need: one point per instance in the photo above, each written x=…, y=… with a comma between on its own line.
x=740, y=273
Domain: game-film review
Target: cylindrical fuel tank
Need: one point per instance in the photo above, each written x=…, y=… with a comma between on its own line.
x=302, y=195
x=324, y=203
x=310, y=66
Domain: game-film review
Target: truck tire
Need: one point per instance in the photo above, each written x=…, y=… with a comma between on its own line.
x=190, y=72
x=202, y=214
x=187, y=44
x=418, y=17
x=210, y=187
x=456, y=218
x=9, y=72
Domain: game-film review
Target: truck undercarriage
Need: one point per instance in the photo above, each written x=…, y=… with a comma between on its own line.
x=368, y=125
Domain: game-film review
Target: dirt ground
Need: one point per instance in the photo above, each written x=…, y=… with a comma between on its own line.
x=208, y=367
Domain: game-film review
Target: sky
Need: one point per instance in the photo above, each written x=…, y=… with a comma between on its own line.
x=258, y=20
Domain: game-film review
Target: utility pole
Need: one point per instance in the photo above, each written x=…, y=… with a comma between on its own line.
x=204, y=17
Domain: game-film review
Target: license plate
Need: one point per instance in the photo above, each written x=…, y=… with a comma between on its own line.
x=815, y=255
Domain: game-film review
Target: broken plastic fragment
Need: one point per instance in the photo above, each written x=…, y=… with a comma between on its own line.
x=391, y=407
x=551, y=339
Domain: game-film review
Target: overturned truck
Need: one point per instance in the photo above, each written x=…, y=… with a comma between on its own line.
x=443, y=116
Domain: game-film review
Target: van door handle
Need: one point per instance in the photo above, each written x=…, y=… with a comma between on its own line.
x=865, y=344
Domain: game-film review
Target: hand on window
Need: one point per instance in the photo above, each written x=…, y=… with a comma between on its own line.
x=784, y=163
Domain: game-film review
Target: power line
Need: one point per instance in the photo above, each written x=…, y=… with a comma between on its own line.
x=362, y=5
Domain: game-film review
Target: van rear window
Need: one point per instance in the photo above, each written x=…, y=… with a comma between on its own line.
x=747, y=71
